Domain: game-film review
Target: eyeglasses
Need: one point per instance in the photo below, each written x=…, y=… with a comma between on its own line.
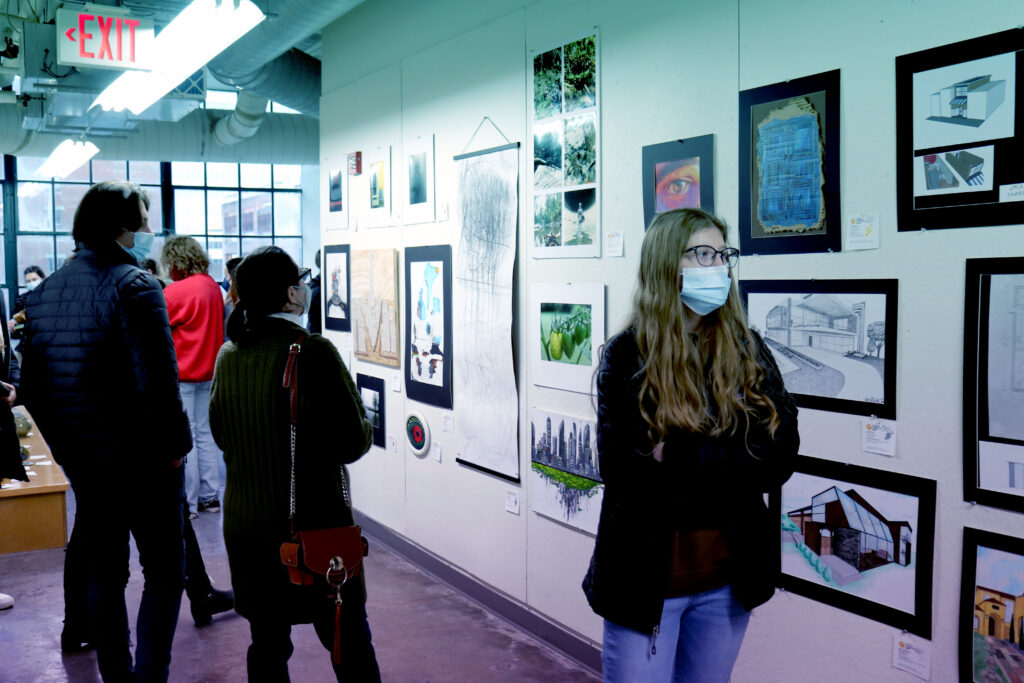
x=705, y=255
x=304, y=274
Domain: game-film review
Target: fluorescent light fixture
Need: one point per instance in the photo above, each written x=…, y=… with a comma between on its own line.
x=66, y=159
x=201, y=32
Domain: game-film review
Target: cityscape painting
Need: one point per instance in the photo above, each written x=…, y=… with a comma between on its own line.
x=991, y=632
x=833, y=340
x=565, y=482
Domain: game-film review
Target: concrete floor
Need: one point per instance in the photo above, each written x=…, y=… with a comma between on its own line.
x=423, y=630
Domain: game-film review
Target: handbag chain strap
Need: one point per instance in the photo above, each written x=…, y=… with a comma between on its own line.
x=291, y=383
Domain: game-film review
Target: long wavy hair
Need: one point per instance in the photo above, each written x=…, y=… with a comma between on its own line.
x=706, y=380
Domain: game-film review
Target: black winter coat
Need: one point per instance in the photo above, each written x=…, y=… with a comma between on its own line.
x=10, y=445
x=99, y=372
x=702, y=482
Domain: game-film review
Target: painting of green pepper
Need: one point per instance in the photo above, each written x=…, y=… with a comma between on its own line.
x=565, y=333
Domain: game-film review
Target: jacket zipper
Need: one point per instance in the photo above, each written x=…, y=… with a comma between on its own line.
x=654, y=639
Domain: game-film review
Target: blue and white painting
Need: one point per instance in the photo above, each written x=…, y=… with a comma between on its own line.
x=427, y=334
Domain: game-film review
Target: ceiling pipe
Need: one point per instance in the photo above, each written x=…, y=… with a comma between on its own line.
x=243, y=122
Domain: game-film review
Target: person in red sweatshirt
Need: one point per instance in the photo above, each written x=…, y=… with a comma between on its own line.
x=195, y=304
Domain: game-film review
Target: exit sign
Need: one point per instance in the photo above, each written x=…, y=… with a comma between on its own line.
x=103, y=38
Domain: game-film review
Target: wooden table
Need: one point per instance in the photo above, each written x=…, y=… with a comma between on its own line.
x=33, y=514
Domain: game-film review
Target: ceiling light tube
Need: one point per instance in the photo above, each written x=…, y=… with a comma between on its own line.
x=201, y=32
x=66, y=159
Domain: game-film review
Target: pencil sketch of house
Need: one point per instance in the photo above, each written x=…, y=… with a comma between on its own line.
x=848, y=535
x=968, y=103
x=830, y=345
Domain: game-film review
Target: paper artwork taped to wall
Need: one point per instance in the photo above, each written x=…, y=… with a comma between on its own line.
x=565, y=130
x=565, y=483
x=335, y=286
x=428, y=324
x=419, y=177
x=338, y=202
x=487, y=204
x=371, y=391
x=375, y=305
x=567, y=329
x=378, y=185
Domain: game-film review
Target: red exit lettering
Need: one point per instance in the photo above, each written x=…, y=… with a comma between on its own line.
x=105, y=25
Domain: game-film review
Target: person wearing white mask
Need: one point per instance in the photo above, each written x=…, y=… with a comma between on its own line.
x=694, y=425
x=33, y=276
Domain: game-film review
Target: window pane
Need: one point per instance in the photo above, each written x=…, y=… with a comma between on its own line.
x=1, y=209
x=144, y=172
x=287, y=176
x=294, y=248
x=222, y=175
x=80, y=174
x=35, y=250
x=187, y=172
x=221, y=99
x=66, y=199
x=109, y=170
x=3, y=271
x=189, y=212
x=34, y=204
x=250, y=243
x=27, y=166
x=287, y=213
x=255, y=175
x=156, y=209
x=221, y=250
x=222, y=208
x=65, y=245
x=256, y=217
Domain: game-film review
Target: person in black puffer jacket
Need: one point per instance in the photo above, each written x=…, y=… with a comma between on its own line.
x=101, y=380
x=694, y=425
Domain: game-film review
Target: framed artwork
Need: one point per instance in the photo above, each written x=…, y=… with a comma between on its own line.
x=567, y=331
x=564, y=146
x=336, y=286
x=859, y=539
x=428, y=324
x=994, y=383
x=565, y=483
x=371, y=391
x=678, y=175
x=834, y=340
x=959, y=136
x=337, y=200
x=378, y=185
x=991, y=631
x=487, y=211
x=789, y=167
x=419, y=180
x=375, y=305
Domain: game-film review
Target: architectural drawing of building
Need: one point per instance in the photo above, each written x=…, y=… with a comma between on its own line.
x=998, y=614
x=844, y=525
x=968, y=165
x=818, y=320
x=968, y=102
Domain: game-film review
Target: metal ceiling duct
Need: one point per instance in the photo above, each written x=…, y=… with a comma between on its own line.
x=263, y=62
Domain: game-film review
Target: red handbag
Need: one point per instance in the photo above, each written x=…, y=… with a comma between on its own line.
x=333, y=555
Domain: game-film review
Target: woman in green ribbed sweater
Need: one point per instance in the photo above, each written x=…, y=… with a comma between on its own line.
x=249, y=417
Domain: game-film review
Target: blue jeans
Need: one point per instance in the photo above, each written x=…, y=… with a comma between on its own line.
x=203, y=463
x=698, y=641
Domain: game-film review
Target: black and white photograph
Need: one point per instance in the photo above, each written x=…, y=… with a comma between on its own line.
x=336, y=285
x=833, y=340
x=994, y=383
x=371, y=391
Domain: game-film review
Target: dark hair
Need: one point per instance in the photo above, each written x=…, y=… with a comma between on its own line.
x=317, y=259
x=232, y=265
x=35, y=269
x=107, y=209
x=262, y=279
x=150, y=265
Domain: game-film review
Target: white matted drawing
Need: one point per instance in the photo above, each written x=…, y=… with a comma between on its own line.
x=418, y=192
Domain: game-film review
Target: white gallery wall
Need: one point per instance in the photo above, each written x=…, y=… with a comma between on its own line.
x=396, y=70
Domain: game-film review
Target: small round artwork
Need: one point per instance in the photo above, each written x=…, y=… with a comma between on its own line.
x=418, y=433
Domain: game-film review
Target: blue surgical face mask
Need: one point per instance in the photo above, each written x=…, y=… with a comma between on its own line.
x=143, y=245
x=705, y=289
x=32, y=285
x=308, y=300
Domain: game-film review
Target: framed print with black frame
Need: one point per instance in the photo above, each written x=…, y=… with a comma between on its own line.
x=371, y=392
x=960, y=134
x=994, y=383
x=679, y=174
x=990, y=635
x=834, y=340
x=428, y=324
x=789, y=167
x=336, y=288
x=859, y=539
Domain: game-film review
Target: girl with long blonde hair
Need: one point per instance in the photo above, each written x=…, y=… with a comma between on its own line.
x=694, y=425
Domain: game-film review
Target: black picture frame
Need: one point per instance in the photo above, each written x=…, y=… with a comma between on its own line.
x=990, y=628
x=420, y=363
x=701, y=148
x=993, y=416
x=378, y=420
x=817, y=379
x=951, y=163
x=337, y=314
x=808, y=475
x=817, y=94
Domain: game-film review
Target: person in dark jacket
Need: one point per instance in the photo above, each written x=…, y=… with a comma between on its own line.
x=10, y=377
x=250, y=418
x=101, y=380
x=694, y=425
x=315, y=317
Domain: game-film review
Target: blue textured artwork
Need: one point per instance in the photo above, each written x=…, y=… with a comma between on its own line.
x=790, y=169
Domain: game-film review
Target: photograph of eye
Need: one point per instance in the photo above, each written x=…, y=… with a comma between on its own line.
x=677, y=184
